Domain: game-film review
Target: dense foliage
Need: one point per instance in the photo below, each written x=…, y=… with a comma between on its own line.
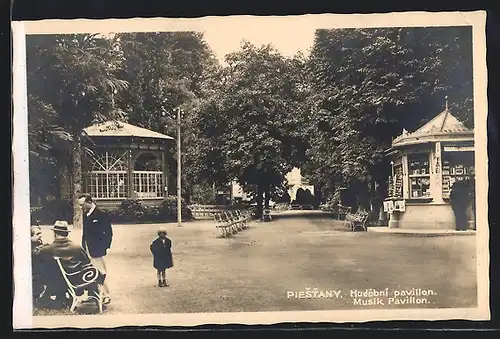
x=252, y=119
x=369, y=84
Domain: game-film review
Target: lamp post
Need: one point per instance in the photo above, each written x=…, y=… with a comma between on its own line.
x=179, y=196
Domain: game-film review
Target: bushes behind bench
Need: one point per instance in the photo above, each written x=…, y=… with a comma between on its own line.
x=129, y=211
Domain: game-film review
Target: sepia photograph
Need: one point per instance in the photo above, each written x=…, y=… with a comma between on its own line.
x=250, y=170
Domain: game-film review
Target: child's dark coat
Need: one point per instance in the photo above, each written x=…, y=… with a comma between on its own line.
x=162, y=254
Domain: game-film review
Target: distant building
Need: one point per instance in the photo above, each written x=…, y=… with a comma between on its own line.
x=238, y=193
x=295, y=182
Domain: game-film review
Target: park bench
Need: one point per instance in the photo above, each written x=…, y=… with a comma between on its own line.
x=231, y=222
x=84, y=283
x=225, y=225
x=245, y=217
x=343, y=211
x=233, y=218
x=249, y=214
x=357, y=221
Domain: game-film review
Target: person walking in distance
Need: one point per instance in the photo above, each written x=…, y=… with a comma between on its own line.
x=96, y=238
x=161, y=248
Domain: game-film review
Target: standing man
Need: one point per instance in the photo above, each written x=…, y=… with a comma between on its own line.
x=97, y=237
x=459, y=199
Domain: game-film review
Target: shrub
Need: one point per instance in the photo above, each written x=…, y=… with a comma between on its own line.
x=116, y=215
x=133, y=210
x=168, y=209
x=203, y=194
x=129, y=211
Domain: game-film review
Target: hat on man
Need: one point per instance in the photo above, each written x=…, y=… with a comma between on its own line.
x=162, y=229
x=61, y=226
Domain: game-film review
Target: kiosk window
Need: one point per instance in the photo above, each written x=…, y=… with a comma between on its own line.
x=419, y=176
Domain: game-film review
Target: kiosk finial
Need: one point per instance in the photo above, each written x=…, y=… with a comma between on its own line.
x=446, y=102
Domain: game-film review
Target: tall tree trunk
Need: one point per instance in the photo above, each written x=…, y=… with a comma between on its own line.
x=381, y=193
x=77, y=179
x=267, y=198
x=214, y=193
x=258, y=212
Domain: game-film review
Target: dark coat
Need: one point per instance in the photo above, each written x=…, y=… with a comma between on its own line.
x=41, y=269
x=72, y=255
x=68, y=251
x=97, y=233
x=162, y=254
x=459, y=197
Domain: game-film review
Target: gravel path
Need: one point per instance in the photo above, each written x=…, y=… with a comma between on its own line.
x=259, y=267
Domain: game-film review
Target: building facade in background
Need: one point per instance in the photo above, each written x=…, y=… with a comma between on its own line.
x=295, y=182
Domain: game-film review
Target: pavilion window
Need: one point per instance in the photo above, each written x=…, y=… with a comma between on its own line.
x=108, y=177
x=419, y=176
x=148, y=177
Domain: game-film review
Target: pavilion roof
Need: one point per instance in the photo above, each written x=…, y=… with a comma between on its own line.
x=115, y=128
x=444, y=124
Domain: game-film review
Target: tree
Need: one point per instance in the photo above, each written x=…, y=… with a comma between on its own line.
x=72, y=83
x=46, y=143
x=369, y=84
x=252, y=123
x=165, y=71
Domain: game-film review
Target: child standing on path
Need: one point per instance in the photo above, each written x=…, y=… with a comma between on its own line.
x=161, y=248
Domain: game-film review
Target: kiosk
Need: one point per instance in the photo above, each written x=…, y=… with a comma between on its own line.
x=425, y=164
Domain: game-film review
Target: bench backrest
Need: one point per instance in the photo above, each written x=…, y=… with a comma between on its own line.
x=231, y=216
x=221, y=218
x=362, y=216
x=218, y=218
x=79, y=276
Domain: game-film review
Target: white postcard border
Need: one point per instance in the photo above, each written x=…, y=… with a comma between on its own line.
x=22, y=309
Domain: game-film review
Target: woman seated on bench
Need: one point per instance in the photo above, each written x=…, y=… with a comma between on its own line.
x=44, y=264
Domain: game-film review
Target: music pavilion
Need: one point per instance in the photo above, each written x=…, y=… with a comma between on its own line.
x=425, y=164
x=127, y=162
